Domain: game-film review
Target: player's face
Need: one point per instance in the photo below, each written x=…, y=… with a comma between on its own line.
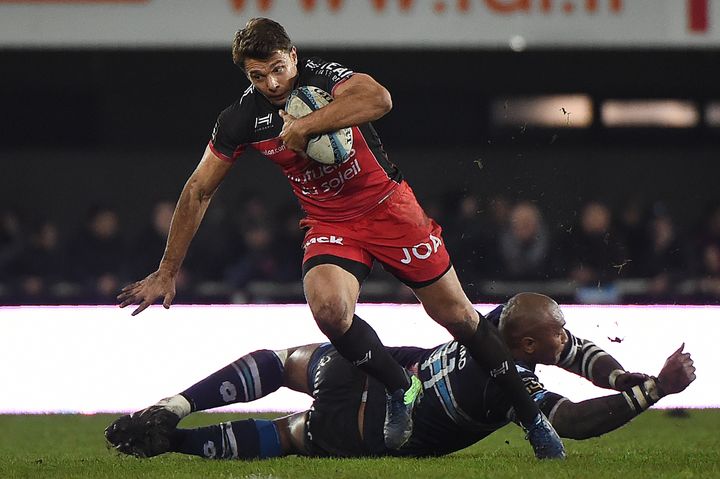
x=274, y=77
x=550, y=340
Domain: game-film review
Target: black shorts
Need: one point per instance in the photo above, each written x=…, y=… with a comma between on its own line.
x=339, y=389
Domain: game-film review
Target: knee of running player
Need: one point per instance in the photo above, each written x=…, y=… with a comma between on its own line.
x=333, y=314
x=460, y=320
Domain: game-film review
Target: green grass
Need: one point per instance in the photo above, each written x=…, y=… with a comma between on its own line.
x=654, y=445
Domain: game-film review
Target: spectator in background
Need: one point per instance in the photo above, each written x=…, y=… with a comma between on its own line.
x=259, y=263
x=290, y=254
x=524, y=244
x=215, y=246
x=707, y=258
x=595, y=253
x=247, y=226
x=97, y=255
x=41, y=265
x=710, y=231
x=151, y=242
x=499, y=209
x=664, y=260
x=254, y=212
x=709, y=281
x=468, y=240
x=149, y=246
x=633, y=227
x=11, y=244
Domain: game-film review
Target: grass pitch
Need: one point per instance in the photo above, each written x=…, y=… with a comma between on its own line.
x=653, y=445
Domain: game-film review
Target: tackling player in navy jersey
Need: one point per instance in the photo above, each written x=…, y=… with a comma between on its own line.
x=356, y=213
x=460, y=405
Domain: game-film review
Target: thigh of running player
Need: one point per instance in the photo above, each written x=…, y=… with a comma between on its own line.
x=409, y=244
x=334, y=267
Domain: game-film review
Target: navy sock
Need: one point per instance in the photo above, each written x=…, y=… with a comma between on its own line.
x=251, y=377
x=247, y=439
x=487, y=347
x=361, y=346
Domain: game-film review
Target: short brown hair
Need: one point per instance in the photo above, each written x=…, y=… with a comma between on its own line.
x=260, y=38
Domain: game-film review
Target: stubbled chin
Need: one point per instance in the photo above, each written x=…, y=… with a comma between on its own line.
x=278, y=101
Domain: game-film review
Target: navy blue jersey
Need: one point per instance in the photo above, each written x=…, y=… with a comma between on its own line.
x=461, y=403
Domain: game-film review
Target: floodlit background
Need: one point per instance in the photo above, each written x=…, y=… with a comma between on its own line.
x=568, y=147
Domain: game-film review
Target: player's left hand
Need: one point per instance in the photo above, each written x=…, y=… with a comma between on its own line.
x=293, y=135
x=677, y=373
x=626, y=381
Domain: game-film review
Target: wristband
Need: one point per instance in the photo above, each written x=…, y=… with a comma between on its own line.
x=614, y=375
x=643, y=396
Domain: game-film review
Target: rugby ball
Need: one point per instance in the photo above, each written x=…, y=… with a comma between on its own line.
x=330, y=148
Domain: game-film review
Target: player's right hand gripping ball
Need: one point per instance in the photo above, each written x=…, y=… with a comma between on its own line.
x=330, y=148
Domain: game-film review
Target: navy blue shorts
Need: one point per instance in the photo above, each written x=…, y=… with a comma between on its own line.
x=339, y=389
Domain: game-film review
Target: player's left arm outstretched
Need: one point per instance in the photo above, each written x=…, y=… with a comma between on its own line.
x=598, y=416
x=586, y=359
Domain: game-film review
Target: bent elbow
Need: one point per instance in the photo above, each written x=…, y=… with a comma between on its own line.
x=385, y=101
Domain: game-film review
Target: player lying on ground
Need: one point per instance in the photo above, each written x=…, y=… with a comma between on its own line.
x=460, y=404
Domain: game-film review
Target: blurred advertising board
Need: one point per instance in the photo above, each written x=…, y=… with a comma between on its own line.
x=493, y=24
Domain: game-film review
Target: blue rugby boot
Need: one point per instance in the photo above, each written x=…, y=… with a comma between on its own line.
x=545, y=441
x=398, y=414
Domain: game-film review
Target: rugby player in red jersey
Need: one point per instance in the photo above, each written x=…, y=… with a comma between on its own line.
x=461, y=404
x=356, y=213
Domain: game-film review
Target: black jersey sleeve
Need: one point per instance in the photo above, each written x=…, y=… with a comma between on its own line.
x=586, y=359
x=233, y=129
x=324, y=74
x=494, y=315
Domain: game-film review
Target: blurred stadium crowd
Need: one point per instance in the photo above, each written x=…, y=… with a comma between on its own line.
x=633, y=254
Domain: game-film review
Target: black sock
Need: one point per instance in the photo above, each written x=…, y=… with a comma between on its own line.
x=248, y=439
x=361, y=346
x=487, y=347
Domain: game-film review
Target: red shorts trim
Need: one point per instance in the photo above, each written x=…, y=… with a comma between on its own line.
x=397, y=233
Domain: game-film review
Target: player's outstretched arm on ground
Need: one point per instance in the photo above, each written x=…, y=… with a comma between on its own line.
x=189, y=211
x=584, y=358
x=358, y=100
x=598, y=416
